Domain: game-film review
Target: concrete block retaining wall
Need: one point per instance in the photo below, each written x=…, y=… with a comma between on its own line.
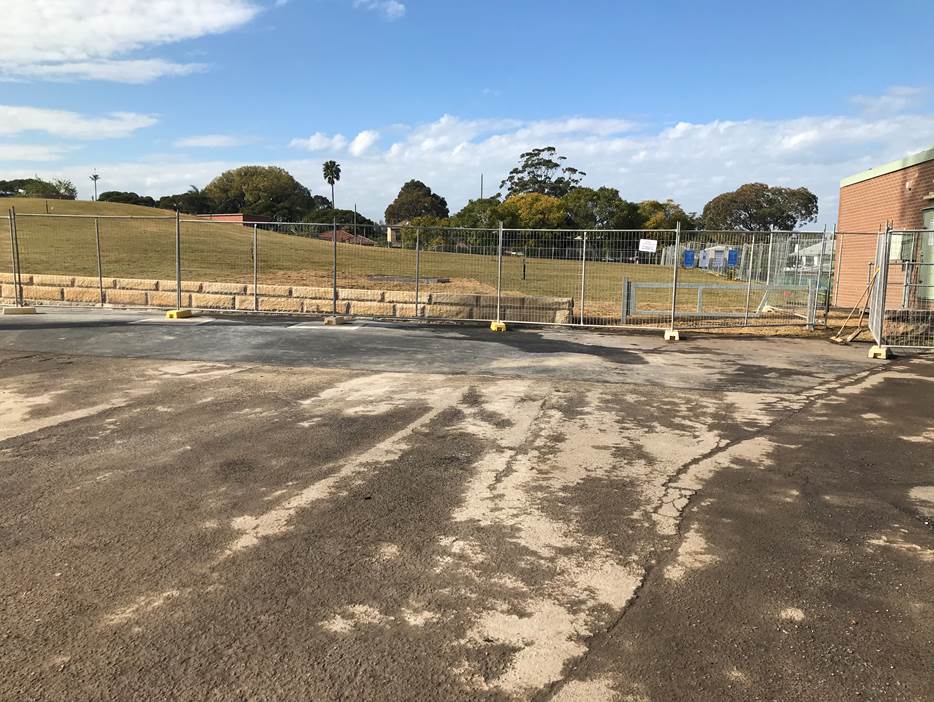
x=134, y=292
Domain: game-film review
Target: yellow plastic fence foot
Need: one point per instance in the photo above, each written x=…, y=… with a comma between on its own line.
x=498, y=326
x=19, y=310
x=880, y=352
x=672, y=335
x=335, y=319
x=178, y=314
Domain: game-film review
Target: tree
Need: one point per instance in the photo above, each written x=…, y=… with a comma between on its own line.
x=602, y=208
x=415, y=199
x=127, y=198
x=541, y=171
x=332, y=174
x=758, y=207
x=665, y=215
x=264, y=191
x=55, y=189
x=481, y=213
x=533, y=211
x=194, y=201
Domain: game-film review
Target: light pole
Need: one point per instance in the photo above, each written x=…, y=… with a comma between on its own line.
x=94, y=178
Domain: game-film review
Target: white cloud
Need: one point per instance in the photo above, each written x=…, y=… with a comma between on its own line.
x=897, y=98
x=29, y=152
x=17, y=119
x=76, y=39
x=208, y=141
x=362, y=142
x=319, y=141
x=391, y=9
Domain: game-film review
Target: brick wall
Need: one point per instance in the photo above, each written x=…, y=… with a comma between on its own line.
x=136, y=292
x=866, y=206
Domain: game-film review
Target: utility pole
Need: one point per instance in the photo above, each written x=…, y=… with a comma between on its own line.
x=481, y=186
x=94, y=178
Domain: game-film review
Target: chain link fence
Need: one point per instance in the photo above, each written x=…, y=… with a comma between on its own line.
x=659, y=279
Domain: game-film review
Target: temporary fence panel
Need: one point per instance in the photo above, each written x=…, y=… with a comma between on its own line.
x=902, y=304
x=457, y=272
x=216, y=265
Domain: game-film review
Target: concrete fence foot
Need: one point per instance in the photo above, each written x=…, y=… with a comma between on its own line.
x=334, y=320
x=672, y=335
x=19, y=310
x=178, y=314
x=880, y=352
x=498, y=326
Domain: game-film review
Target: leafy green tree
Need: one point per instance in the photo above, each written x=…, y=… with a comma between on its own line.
x=194, y=201
x=542, y=171
x=428, y=230
x=55, y=189
x=332, y=173
x=533, y=211
x=665, y=215
x=126, y=197
x=481, y=213
x=602, y=208
x=758, y=207
x=415, y=199
x=264, y=191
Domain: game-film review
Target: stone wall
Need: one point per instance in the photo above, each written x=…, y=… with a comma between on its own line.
x=136, y=292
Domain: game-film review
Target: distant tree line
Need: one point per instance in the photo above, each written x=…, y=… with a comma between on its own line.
x=542, y=193
x=55, y=189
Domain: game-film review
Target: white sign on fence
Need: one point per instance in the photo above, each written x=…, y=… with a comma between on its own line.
x=648, y=245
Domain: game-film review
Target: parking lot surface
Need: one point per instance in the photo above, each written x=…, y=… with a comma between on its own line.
x=230, y=509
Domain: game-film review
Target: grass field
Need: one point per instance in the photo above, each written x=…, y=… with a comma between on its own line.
x=216, y=251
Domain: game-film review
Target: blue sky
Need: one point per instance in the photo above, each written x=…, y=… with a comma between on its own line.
x=659, y=99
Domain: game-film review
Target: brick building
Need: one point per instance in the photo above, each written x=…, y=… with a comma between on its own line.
x=900, y=193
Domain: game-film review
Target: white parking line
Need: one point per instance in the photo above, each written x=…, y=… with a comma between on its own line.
x=319, y=325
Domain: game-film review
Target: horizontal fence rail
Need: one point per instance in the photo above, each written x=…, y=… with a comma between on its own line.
x=656, y=279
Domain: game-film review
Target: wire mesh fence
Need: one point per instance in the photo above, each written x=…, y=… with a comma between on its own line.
x=902, y=291
x=646, y=278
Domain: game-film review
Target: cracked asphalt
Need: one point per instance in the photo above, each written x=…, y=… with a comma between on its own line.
x=230, y=509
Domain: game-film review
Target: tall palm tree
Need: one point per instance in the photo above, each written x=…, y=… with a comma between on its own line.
x=332, y=174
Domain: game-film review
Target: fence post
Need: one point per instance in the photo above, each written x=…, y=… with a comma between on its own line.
x=255, y=272
x=768, y=270
x=583, y=276
x=19, y=300
x=334, y=266
x=499, y=273
x=820, y=272
x=13, y=255
x=418, y=248
x=624, y=301
x=178, y=260
x=752, y=251
x=674, y=274
x=100, y=267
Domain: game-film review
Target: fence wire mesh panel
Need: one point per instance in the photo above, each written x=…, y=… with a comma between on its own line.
x=374, y=279
x=216, y=265
x=903, y=304
x=294, y=267
x=56, y=245
x=618, y=265
x=751, y=278
x=457, y=272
